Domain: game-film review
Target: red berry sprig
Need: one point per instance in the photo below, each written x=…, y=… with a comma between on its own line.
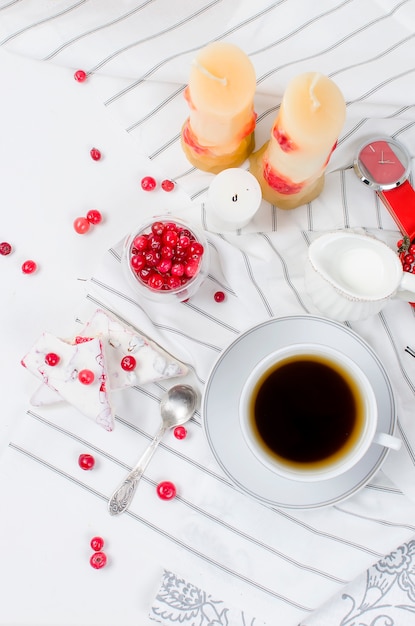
x=406, y=251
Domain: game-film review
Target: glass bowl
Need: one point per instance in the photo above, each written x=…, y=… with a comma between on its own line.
x=165, y=259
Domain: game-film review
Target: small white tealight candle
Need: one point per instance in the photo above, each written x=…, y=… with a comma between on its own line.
x=234, y=196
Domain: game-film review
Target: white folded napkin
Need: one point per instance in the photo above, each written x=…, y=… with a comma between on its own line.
x=384, y=594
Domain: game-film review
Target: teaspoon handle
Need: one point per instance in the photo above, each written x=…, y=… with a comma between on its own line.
x=122, y=496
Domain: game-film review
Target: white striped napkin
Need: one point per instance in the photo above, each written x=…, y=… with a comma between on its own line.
x=273, y=563
x=384, y=594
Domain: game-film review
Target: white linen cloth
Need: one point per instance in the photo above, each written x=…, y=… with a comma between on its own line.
x=384, y=594
x=278, y=565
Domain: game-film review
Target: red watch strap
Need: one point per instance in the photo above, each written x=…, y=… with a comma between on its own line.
x=400, y=203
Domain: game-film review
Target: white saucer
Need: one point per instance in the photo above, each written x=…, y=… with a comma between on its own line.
x=221, y=419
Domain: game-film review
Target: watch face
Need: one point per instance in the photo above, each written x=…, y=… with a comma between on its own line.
x=382, y=164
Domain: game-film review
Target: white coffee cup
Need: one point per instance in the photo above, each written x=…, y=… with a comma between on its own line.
x=294, y=426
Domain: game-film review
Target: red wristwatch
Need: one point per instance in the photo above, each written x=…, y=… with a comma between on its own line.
x=384, y=164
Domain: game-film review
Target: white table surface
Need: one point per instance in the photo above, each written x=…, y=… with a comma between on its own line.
x=49, y=122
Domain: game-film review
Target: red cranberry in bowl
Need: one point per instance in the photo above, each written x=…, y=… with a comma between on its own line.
x=166, y=259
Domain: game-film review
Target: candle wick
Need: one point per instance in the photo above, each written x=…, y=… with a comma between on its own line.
x=206, y=72
x=315, y=101
x=235, y=198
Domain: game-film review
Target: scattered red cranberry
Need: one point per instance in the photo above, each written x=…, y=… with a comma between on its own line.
x=128, y=363
x=52, y=359
x=219, y=296
x=81, y=225
x=166, y=490
x=167, y=185
x=5, y=248
x=94, y=216
x=86, y=377
x=148, y=183
x=29, y=267
x=98, y=560
x=180, y=432
x=86, y=461
x=80, y=76
x=97, y=543
x=95, y=154
x=166, y=257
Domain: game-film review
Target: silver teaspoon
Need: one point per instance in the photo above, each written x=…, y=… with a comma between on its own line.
x=176, y=407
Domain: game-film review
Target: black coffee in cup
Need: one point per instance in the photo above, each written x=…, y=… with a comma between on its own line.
x=306, y=410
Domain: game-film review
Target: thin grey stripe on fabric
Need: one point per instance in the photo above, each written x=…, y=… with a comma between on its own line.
x=210, y=317
x=193, y=49
x=156, y=110
x=320, y=533
x=381, y=522
x=10, y=4
x=310, y=220
x=383, y=489
x=343, y=187
x=162, y=532
x=285, y=271
x=324, y=50
x=198, y=193
x=371, y=59
x=173, y=140
x=379, y=86
x=133, y=44
x=406, y=443
x=92, y=31
x=41, y=22
x=407, y=126
x=302, y=27
x=274, y=218
x=252, y=280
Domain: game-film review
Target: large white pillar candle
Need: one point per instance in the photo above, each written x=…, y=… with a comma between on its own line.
x=290, y=167
x=234, y=196
x=219, y=132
